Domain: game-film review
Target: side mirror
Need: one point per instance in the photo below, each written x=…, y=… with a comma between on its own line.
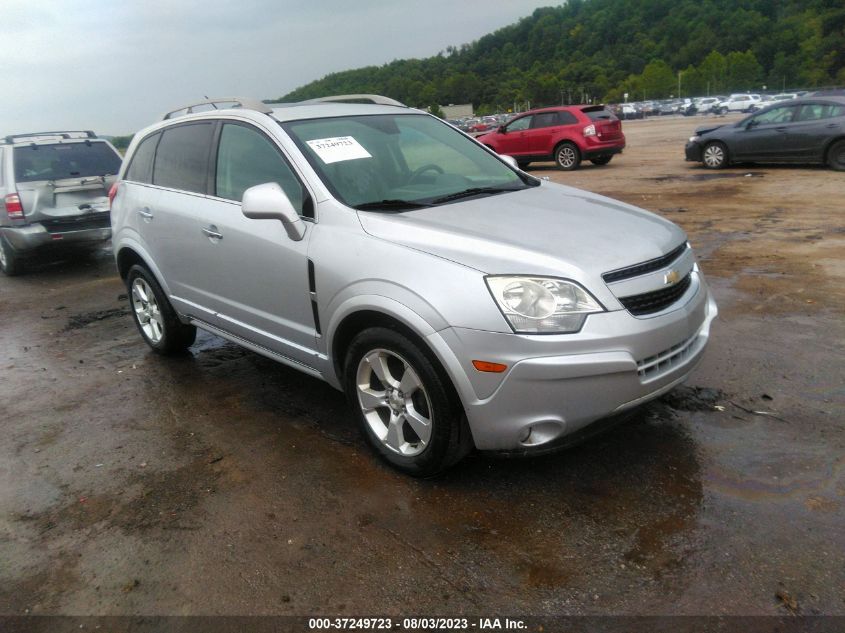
x=502, y=129
x=751, y=124
x=269, y=202
x=510, y=160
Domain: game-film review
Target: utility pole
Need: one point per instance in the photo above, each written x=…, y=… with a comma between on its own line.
x=680, y=72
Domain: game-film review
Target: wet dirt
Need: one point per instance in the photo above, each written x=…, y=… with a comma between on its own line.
x=220, y=482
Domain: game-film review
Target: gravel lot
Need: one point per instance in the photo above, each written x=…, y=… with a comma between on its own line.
x=222, y=483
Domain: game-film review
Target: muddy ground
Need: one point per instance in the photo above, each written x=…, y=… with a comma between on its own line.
x=222, y=483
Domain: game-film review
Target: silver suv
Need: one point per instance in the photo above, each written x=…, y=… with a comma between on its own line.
x=54, y=189
x=457, y=301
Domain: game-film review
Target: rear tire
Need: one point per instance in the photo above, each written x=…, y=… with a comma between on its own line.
x=836, y=156
x=601, y=160
x=155, y=318
x=406, y=409
x=567, y=156
x=10, y=263
x=714, y=155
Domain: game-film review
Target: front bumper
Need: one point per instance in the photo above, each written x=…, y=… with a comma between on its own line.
x=33, y=236
x=558, y=384
x=693, y=152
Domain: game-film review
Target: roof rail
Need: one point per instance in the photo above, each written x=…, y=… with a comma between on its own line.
x=60, y=133
x=239, y=102
x=359, y=98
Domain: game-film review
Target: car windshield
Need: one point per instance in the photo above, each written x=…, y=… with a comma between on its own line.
x=64, y=160
x=400, y=162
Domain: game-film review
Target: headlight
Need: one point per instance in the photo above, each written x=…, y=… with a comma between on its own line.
x=534, y=305
x=694, y=139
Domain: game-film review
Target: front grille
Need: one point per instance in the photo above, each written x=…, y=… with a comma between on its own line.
x=646, y=267
x=659, y=364
x=657, y=300
x=78, y=223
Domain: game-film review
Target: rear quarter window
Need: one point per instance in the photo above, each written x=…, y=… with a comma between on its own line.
x=64, y=160
x=181, y=161
x=141, y=167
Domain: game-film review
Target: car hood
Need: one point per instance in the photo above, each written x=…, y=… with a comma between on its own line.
x=704, y=129
x=546, y=230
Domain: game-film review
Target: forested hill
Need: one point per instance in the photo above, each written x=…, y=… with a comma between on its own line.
x=603, y=48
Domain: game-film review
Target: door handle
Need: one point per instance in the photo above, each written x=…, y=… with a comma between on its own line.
x=145, y=213
x=780, y=129
x=211, y=231
x=832, y=125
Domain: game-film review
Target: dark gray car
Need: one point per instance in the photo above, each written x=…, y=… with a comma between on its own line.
x=808, y=130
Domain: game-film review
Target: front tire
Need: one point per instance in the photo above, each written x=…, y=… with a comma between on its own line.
x=10, y=263
x=407, y=410
x=714, y=155
x=836, y=156
x=155, y=318
x=567, y=156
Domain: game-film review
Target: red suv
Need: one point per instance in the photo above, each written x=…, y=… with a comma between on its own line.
x=565, y=134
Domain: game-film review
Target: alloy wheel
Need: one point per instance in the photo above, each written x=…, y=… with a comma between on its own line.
x=147, y=310
x=394, y=402
x=566, y=157
x=714, y=155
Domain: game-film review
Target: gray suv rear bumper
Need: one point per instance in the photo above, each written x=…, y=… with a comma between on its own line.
x=32, y=236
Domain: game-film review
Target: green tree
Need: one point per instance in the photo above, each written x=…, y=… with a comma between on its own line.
x=436, y=111
x=658, y=80
x=743, y=72
x=712, y=72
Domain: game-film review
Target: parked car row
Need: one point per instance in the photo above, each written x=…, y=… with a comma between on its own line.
x=738, y=102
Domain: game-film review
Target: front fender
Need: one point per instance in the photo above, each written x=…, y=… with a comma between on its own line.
x=410, y=318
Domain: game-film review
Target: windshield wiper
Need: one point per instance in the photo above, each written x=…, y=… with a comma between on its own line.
x=473, y=191
x=390, y=205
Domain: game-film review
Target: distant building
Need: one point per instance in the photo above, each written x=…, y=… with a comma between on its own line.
x=457, y=111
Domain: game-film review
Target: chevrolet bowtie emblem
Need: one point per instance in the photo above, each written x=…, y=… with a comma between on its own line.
x=671, y=277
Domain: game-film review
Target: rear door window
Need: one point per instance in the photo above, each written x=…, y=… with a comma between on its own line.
x=245, y=158
x=566, y=118
x=817, y=111
x=141, y=167
x=65, y=160
x=545, y=119
x=181, y=161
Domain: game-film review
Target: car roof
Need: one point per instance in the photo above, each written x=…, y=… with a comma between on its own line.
x=295, y=112
x=280, y=112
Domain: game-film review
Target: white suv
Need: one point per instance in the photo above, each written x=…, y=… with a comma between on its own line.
x=738, y=103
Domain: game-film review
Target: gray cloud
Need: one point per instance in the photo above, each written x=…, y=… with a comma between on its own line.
x=115, y=66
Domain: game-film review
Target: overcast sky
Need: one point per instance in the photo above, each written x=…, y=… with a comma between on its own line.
x=116, y=65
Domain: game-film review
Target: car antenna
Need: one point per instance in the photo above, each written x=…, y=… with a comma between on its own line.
x=212, y=104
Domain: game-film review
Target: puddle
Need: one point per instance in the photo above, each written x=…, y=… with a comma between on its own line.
x=686, y=398
x=708, y=176
x=77, y=321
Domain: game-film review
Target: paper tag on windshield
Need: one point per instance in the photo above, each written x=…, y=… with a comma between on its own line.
x=333, y=150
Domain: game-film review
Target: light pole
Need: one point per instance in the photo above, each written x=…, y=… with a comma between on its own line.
x=680, y=72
